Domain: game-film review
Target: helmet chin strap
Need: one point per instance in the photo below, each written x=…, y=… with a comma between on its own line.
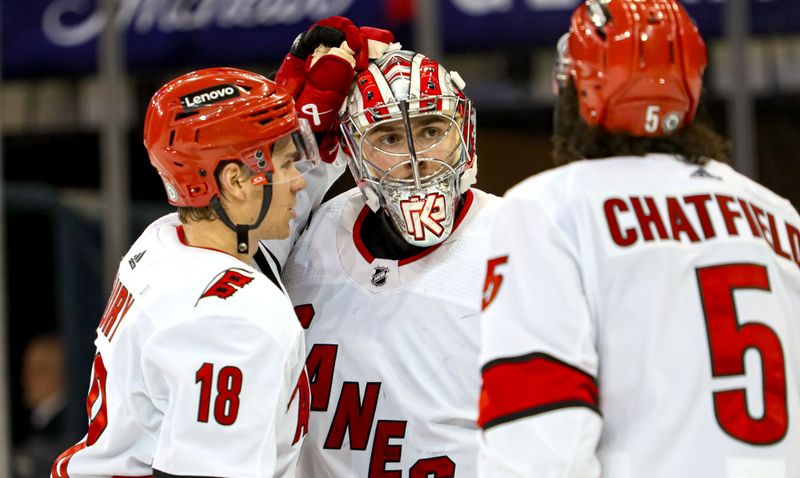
x=243, y=230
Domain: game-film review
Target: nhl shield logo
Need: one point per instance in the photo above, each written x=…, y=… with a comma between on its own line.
x=379, y=276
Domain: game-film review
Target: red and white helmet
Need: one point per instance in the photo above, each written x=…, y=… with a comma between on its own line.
x=637, y=65
x=202, y=118
x=409, y=134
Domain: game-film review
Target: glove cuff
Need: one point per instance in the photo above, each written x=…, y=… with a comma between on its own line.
x=342, y=52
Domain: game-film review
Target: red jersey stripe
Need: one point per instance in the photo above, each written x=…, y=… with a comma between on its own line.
x=59, y=469
x=518, y=387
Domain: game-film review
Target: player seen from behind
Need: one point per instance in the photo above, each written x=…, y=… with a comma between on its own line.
x=643, y=300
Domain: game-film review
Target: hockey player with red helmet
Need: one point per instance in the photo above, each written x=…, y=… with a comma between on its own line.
x=385, y=278
x=641, y=301
x=199, y=369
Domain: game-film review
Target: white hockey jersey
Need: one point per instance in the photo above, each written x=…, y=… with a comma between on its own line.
x=392, y=346
x=198, y=372
x=643, y=320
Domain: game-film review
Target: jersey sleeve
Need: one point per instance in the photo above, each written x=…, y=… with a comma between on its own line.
x=539, y=399
x=222, y=384
x=318, y=181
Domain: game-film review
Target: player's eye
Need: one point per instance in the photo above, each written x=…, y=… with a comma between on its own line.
x=432, y=132
x=390, y=139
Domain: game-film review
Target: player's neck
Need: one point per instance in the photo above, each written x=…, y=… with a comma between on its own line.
x=217, y=236
x=382, y=240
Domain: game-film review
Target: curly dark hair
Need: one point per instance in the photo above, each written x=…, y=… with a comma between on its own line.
x=573, y=139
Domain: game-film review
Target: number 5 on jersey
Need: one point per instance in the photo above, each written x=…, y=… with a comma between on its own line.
x=491, y=285
x=729, y=339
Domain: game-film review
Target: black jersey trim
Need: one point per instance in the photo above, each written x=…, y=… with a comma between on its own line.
x=263, y=264
x=532, y=356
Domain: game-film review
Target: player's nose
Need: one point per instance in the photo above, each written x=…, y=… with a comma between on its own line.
x=298, y=183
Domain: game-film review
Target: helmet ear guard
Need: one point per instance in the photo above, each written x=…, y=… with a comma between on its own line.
x=637, y=65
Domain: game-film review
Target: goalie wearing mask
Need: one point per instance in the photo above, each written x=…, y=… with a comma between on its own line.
x=386, y=278
x=410, y=131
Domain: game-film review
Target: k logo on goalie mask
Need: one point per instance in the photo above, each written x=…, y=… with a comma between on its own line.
x=410, y=134
x=424, y=216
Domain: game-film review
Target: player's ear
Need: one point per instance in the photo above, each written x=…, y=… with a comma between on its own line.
x=232, y=178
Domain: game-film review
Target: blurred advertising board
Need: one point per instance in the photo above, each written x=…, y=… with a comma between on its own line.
x=46, y=37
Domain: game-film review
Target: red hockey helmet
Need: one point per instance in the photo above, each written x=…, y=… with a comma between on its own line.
x=204, y=117
x=637, y=65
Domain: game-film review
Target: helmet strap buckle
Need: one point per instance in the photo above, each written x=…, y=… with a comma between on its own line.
x=243, y=230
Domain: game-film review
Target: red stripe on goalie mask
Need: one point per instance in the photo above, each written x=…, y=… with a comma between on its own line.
x=523, y=386
x=395, y=68
x=370, y=94
x=429, y=82
x=467, y=128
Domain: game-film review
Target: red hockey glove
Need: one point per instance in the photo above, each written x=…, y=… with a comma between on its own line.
x=319, y=71
x=376, y=42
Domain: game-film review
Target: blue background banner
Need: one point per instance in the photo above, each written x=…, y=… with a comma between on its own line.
x=57, y=37
x=525, y=23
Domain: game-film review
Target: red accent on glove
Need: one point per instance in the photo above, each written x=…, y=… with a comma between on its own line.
x=370, y=33
x=378, y=34
x=320, y=90
x=329, y=146
x=326, y=87
x=292, y=74
x=344, y=25
x=330, y=73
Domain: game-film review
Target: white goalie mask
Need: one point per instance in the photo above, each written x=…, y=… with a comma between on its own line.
x=409, y=134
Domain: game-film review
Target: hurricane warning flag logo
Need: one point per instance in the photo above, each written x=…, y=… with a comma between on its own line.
x=227, y=283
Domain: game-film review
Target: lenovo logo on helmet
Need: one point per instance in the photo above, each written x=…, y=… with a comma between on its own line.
x=208, y=96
